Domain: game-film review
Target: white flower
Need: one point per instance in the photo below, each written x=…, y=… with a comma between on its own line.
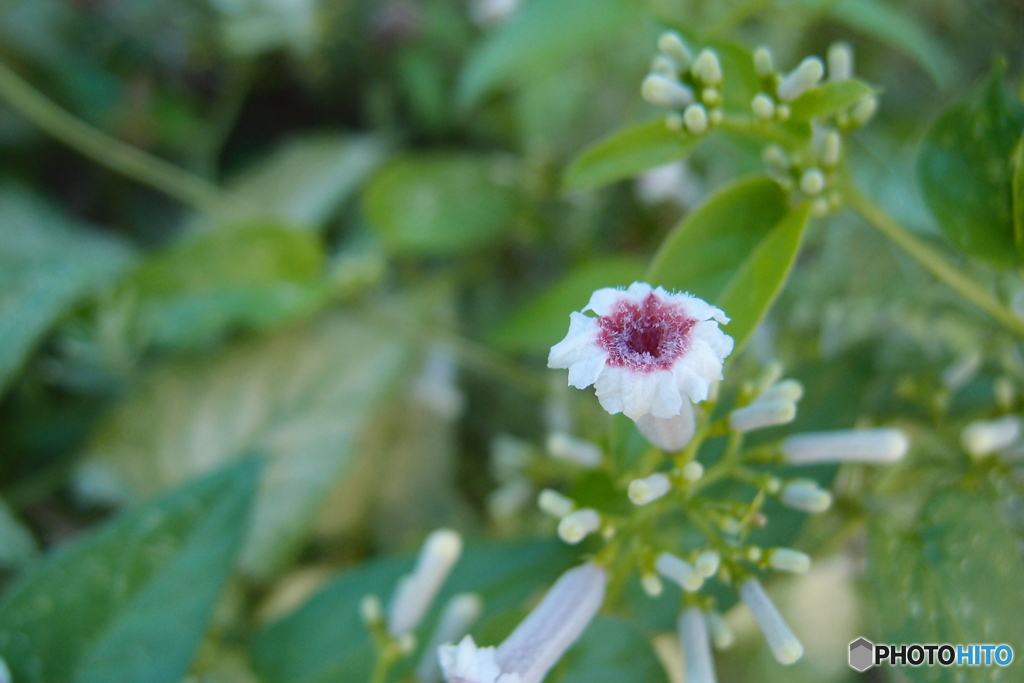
x=459, y=614
x=416, y=591
x=539, y=641
x=693, y=633
x=646, y=352
x=881, y=445
x=670, y=434
x=988, y=436
x=784, y=645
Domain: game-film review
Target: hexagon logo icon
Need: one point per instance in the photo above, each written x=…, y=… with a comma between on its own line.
x=862, y=654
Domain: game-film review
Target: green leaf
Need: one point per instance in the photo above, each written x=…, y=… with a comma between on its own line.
x=302, y=398
x=325, y=640
x=1018, y=198
x=17, y=546
x=130, y=602
x=611, y=650
x=539, y=38
x=735, y=251
x=954, y=579
x=214, y=282
x=440, y=203
x=964, y=168
x=828, y=99
x=302, y=183
x=543, y=320
x=628, y=152
x=47, y=263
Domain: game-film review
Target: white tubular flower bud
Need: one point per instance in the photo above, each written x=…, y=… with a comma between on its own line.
x=707, y=68
x=711, y=97
x=784, y=645
x=707, y=563
x=669, y=434
x=801, y=79
x=882, y=445
x=649, y=489
x=763, y=62
x=812, y=181
x=5, y=673
x=651, y=585
x=831, y=149
x=864, y=110
x=554, y=624
x=458, y=616
x=416, y=591
x=775, y=157
x=984, y=437
x=571, y=449
x=680, y=571
x=665, y=66
x=696, y=119
x=789, y=389
x=692, y=471
x=840, y=62
x=577, y=525
x=370, y=609
x=763, y=107
x=672, y=44
x=761, y=414
x=788, y=560
x=693, y=632
x=666, y=92
x=553, y=503
x=721, y=635
x=805, y=495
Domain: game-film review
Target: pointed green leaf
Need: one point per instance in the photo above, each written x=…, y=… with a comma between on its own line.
x=965, y=171
x=542, y=321
x=611, y=650
x=627, y=153
x=735, y=251
x=47, y=262
x=955, y=578
x=540, y=36
x=302, y=398
x=828, y=99
x=130, y=602
x=325, y=640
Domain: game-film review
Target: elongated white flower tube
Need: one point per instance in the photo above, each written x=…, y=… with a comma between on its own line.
x=458, y=616
x=882, y=445
x=672, y=44
x=693, y=632
x=577, y=525
x=555, y=504
x=761, y=414
x=537, y=644
x=805, y=495
x=801, y=79
x=666, y=92
x=789, y=560
x=649, y=489
x=707, y=67
x=789, y=389
x=680, y=571
x=707, y=563
x=763, y=63
x=988, y=436
x=763, y=107
x=721, y=635
x=416, y=591
x=575, y=450
x=670, y=434
x=784, y=645
x=840, y=61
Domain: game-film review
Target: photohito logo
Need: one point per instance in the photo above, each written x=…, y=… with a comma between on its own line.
x=864, y=654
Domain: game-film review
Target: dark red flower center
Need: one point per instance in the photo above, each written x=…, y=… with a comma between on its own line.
x=646, y=336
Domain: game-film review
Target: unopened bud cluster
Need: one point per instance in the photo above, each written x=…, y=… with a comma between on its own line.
x=687, y=83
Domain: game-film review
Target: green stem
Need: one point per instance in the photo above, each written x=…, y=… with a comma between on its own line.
x=106, y=150
x=933, y=261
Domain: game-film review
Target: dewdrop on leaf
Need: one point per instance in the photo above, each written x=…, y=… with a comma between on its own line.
x=671, y=43
x=801, y=79
x=693, y=635
x=649, y=489
x=416, y=591
x=761, y=414
x=665, y=92
x=696, y=119
x=680, y=571
x=707, y=68
x=784, y=645
x=984, y=437
x=763, y=107
x=763, y=65
x=883, y=445
x=788, y=560
x=840, y=61
x=577, y=525
x=805, y=495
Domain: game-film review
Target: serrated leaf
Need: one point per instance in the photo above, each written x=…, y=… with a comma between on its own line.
x=965, y=171
x=325, y=640
x=47, y=262
x=302, y=398
x=611, y=650
x=735, y=251
x=542, y=321
x=828, y=99
x=440, y=203
x=627, y=153
x=215, y=282
x=540, y=36
x=954, y=579
x=131, y=601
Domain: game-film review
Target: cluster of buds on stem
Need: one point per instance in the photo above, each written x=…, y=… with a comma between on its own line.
x=691, y=85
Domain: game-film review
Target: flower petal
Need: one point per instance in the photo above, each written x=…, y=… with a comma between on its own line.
x=579, y=344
